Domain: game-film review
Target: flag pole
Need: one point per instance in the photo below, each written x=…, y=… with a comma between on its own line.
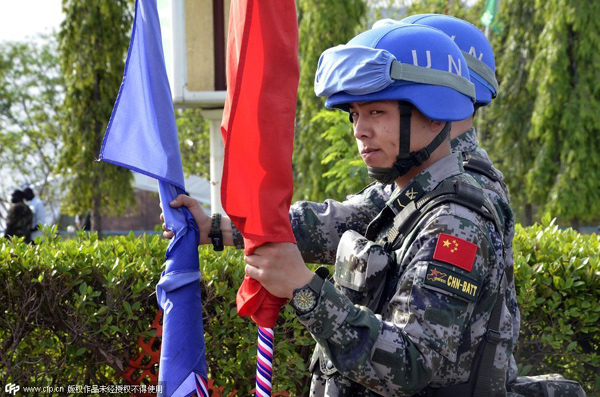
x=264, y=361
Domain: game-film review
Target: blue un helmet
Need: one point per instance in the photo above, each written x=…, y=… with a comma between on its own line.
x=475, y=47
x=415, y=65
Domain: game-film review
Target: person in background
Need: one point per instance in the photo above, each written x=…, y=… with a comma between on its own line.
x=39, y=212
x=19, y=218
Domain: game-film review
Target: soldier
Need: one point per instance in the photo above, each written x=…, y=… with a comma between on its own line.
x=414, y=292
x=312, y=221
x=480, y=58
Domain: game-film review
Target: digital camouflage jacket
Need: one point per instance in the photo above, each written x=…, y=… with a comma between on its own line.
x=497, y=191
x=428, y=331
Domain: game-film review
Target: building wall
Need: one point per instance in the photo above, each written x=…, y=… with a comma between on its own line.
x=144, y=217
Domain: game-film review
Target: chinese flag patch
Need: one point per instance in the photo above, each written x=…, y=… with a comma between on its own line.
x=455, y=251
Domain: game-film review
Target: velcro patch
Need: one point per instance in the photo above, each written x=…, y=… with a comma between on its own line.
x=456, y=251
x=453, y=282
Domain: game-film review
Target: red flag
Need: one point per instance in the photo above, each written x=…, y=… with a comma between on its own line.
x=258, y=130
x=456, y=251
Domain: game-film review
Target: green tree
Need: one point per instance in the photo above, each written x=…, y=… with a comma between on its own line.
x=93, y=42
x=322, y=24
x=565, y=177
x=458, y=8
x=194, y=142
x=31, y=90
x=507, y=121
x=543, y=126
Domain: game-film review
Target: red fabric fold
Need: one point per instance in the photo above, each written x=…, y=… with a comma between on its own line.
x=258, y=130
x=258, y=303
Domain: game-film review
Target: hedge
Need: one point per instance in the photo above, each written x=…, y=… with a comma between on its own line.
x=558, y=284
x=74, y=310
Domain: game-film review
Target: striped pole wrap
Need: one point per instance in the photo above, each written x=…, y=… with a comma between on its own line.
x=264, y=361
x=201, y=386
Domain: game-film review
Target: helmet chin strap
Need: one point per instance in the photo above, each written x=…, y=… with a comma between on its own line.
x=406, y=159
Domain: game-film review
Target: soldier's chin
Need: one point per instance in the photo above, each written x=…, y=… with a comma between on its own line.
x=376, y=163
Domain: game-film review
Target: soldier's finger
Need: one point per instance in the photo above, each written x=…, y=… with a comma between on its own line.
x=252, y=271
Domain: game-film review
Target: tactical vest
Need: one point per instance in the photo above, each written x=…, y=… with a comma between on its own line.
x=407, y=212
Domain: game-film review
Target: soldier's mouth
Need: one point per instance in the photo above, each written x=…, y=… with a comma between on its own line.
x=369, y=152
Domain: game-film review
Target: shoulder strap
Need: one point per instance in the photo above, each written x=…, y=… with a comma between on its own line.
x=461, y=193
x=486, y=373
x=479, y=165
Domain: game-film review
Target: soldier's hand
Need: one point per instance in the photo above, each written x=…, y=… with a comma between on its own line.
x=279, y=267
x=197, y=212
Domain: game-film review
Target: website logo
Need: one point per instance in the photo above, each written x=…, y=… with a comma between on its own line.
x=11, y=388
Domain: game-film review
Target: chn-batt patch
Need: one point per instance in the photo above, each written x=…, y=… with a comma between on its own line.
x=453, y=282
x=455, y=251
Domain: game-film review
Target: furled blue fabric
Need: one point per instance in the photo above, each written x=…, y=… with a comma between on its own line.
x=142, y=136
x=141, y=133
x=356, y=70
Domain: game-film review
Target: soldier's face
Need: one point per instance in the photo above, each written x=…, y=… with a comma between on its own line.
x=377, y=130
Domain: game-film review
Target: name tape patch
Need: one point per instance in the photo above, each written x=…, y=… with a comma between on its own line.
x=453, y=282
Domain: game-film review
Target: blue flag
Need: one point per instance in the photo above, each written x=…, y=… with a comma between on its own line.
x=142, y=136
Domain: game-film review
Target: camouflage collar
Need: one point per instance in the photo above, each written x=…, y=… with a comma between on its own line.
x=432, y=176
x=466, y=142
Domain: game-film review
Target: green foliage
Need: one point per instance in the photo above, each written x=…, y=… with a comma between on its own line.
x=566, y=112
x=194, y=142
x=93, y=39
x=558, y=286
x=347, y=171
x=73, y=310
x=544, y=122
x=31, y=90
x=507, y=121
x=458, y=8
x=322, y=24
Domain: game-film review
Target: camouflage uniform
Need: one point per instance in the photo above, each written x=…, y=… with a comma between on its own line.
x=319, y=226
x=423, y=335
x=498, y=194
x=18, y=221
x=552, y=385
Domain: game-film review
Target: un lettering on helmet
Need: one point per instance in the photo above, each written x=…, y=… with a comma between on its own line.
x=475, y=47
x=417, y=64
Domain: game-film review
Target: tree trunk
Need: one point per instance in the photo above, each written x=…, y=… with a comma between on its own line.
x=96, y=217
x=98, y=135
